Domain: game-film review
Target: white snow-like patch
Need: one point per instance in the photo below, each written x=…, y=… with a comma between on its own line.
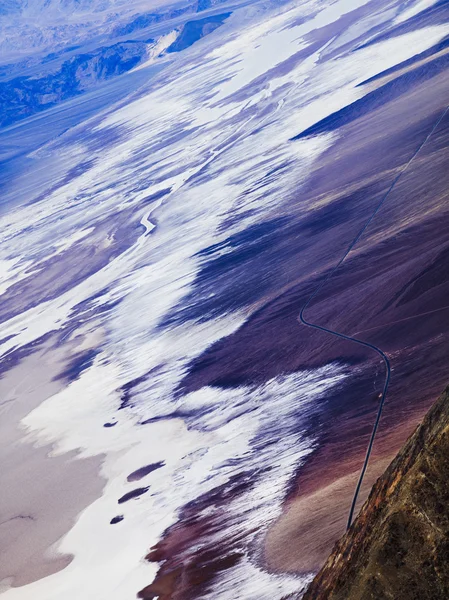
x=229, y=431
x=414, y=9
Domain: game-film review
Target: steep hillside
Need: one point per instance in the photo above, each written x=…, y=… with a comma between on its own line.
x=398, y=547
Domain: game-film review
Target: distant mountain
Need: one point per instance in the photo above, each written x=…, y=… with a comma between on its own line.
x=58, y=49
x=398, y=547
x=144, y=20
x=24, y=96
x=28, y=27
x=192, y=31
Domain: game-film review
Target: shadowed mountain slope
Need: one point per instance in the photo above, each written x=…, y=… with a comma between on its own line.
x=398, y=547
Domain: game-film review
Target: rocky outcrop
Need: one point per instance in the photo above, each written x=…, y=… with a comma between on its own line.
x=398, y=547
x=192, y=31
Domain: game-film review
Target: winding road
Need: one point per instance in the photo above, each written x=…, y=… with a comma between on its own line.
x=326, y=279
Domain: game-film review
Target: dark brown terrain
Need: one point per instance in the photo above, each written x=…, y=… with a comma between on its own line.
x=398, y=547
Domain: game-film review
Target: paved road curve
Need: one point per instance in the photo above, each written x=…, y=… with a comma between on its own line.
x=382, y=354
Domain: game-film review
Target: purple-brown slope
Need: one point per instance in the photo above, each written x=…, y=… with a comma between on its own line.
x=398, y=547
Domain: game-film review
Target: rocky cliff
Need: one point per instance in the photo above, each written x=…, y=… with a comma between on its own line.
x=398, y=547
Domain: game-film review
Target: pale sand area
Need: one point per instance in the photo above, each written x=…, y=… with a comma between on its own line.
x=41, y=495
x=302, y=538
x=304, y=534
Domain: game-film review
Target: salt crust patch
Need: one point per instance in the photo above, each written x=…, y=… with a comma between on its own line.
x=414, y=9
x=232, y=430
